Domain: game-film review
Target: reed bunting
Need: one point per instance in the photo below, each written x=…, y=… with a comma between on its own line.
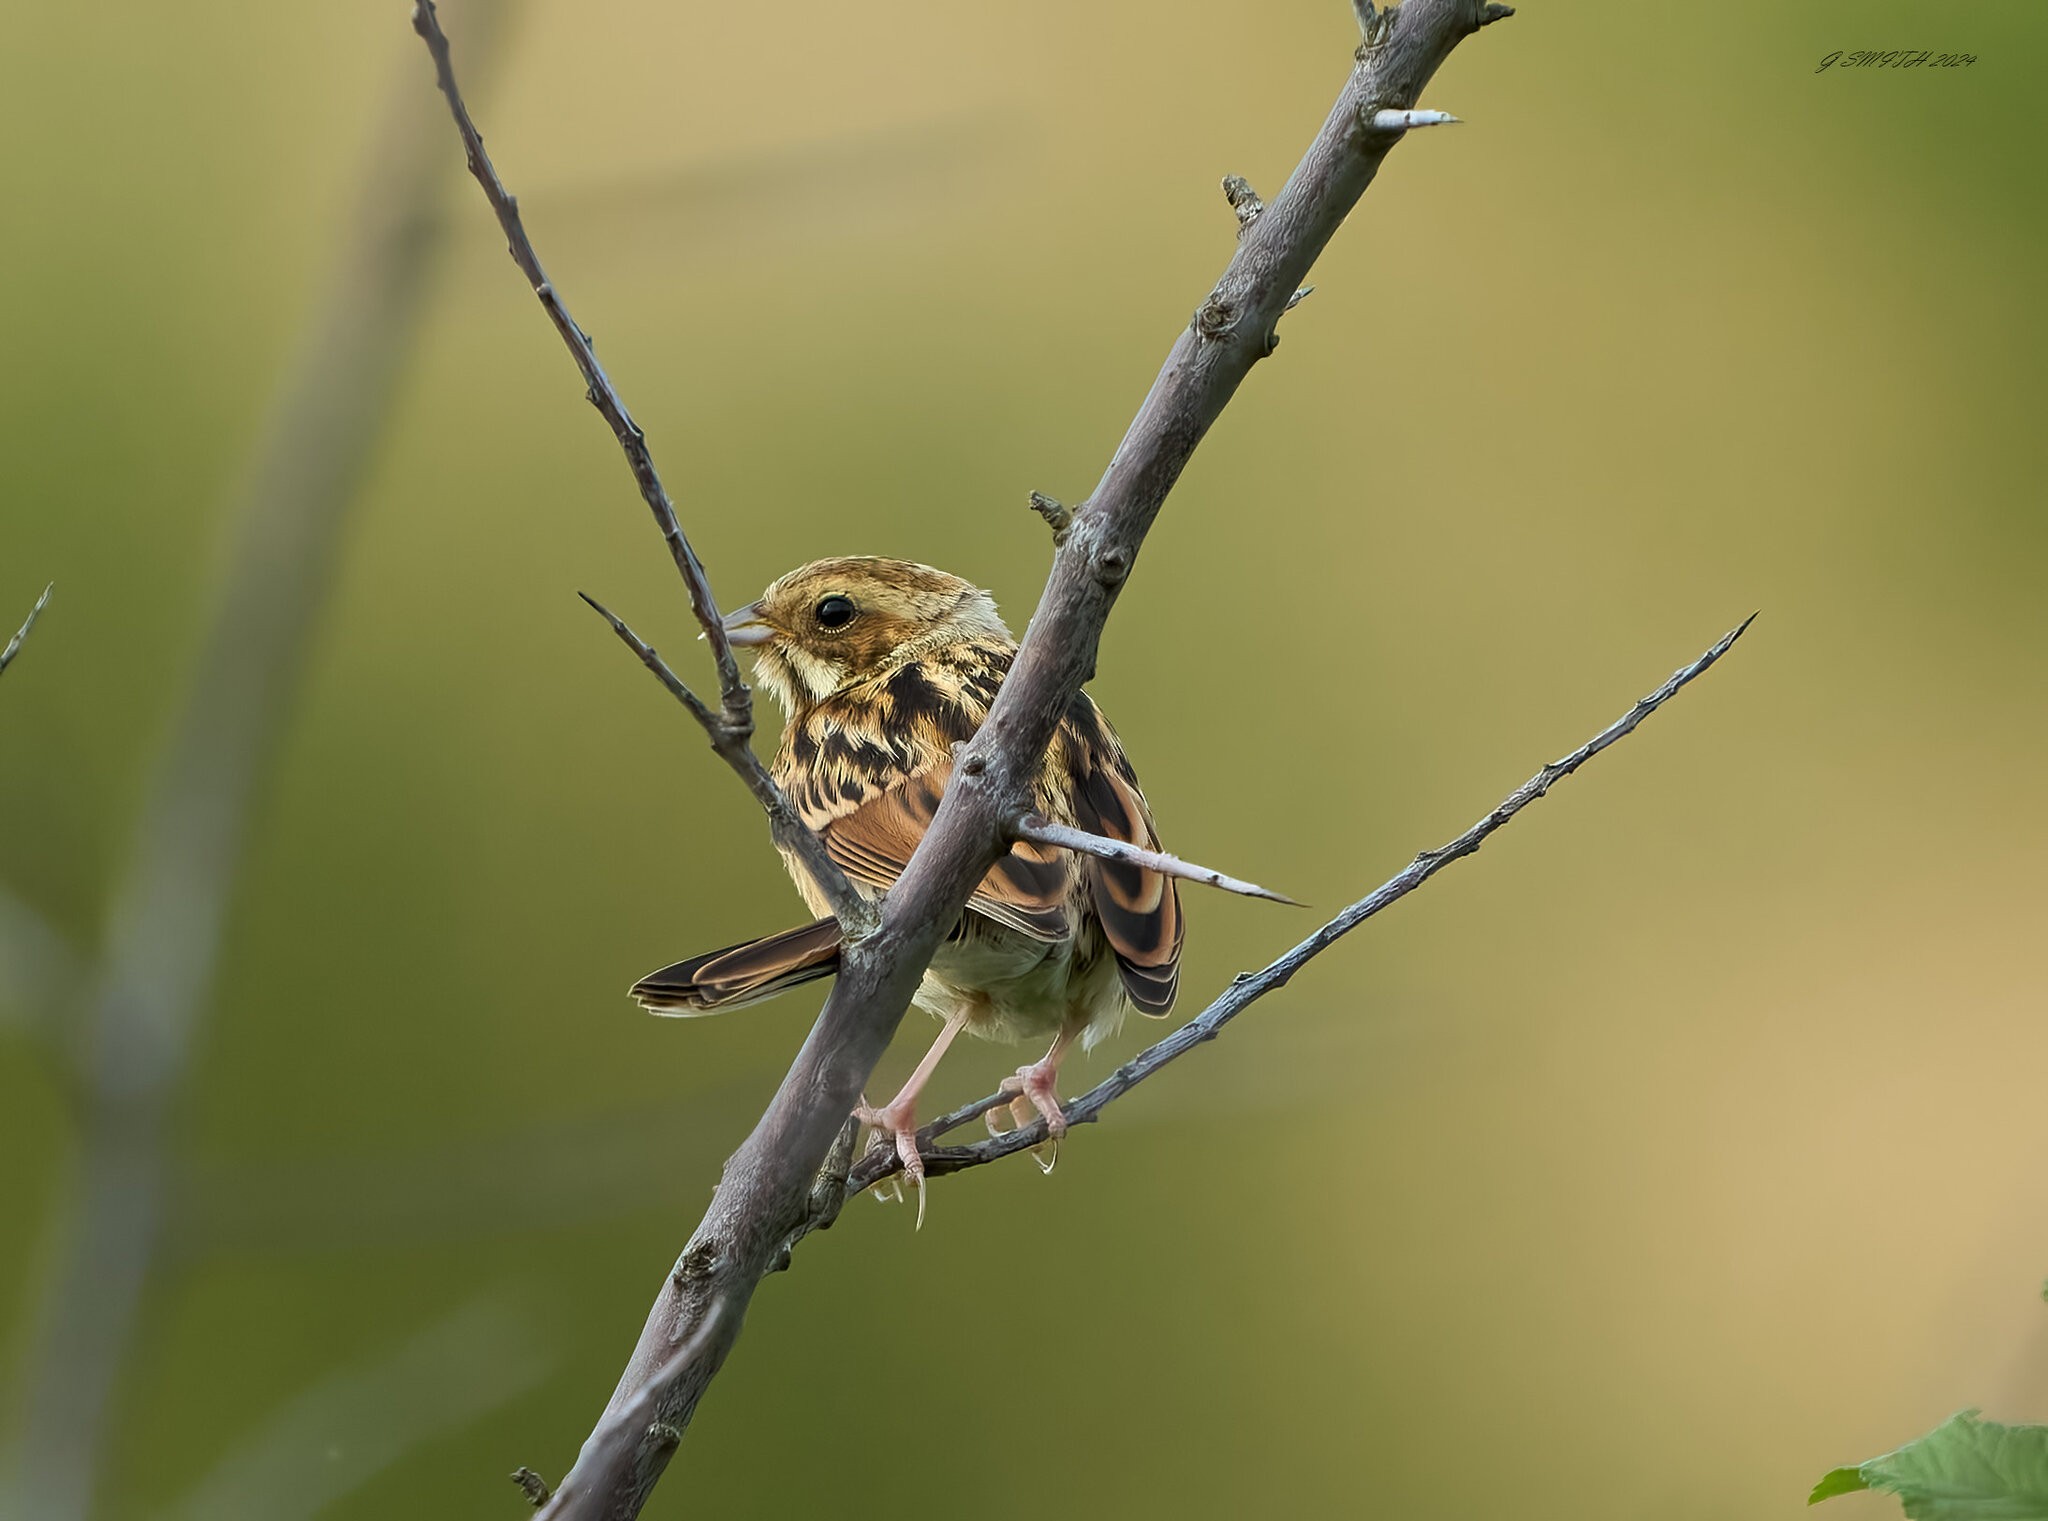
x=881, y=667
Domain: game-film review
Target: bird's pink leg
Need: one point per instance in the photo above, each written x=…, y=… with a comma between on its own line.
x=1035, y=1087
x=898, y=1118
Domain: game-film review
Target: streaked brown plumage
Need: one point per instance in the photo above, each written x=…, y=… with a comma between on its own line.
x=881, y=667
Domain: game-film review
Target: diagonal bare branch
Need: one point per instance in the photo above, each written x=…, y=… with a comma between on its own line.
x=762, y=1203
x=879, y=1163
x=732, y=727
x=631, y=1423
x=765, y=1200
x=14, y=645
x=1043, y=831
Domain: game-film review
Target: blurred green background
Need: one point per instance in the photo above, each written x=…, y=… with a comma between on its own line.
x=1682, y=1145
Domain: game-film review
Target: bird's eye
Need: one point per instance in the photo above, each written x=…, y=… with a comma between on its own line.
x=836, y=612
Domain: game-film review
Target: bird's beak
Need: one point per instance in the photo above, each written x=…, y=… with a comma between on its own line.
x=745, y=627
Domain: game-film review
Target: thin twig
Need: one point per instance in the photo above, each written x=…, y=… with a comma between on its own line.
x=731, y=728
x=1249, y=988
x=39, y=969
x=668, y=678
x=601, y=393
x=764, y=1199
x=1043, y=831
x=14, y=644
x=785, y=827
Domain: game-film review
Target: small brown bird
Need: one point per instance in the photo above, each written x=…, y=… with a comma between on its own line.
x=881, y=667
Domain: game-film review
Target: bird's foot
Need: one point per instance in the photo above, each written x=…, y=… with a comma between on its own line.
x=1034, y=1087
x=898, y=1121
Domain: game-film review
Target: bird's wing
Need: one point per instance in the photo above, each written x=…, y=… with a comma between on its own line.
x=1025, y=891
x=870, y=788
x=1139, y=909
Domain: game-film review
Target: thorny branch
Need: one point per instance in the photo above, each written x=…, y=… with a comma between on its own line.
x=783, y=1181
x=881, y=1162
x=731, y=728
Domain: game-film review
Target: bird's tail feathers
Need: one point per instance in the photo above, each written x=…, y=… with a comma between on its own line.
x=742, y=974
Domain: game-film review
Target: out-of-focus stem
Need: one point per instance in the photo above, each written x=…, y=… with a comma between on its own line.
x=149, y=997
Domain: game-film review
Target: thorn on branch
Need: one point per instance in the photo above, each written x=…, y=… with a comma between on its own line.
x=1055, y=512
x=1401, y=121
x=1495, y=13
x=1367, y=18
x=1243, y=200
x=533, y=1486
x=1297, y=298
x=1042, y=831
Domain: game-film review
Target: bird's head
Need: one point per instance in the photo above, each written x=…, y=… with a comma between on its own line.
x=832, y=623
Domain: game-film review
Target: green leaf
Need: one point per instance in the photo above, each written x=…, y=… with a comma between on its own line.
x=1965, y=1469
x=1843, y=1481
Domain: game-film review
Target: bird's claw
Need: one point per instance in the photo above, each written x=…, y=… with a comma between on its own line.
x=1033, y=1086
x=898, y=1122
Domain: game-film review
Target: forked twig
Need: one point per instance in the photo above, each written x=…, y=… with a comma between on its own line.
x=732, y=726
x=784, y=825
